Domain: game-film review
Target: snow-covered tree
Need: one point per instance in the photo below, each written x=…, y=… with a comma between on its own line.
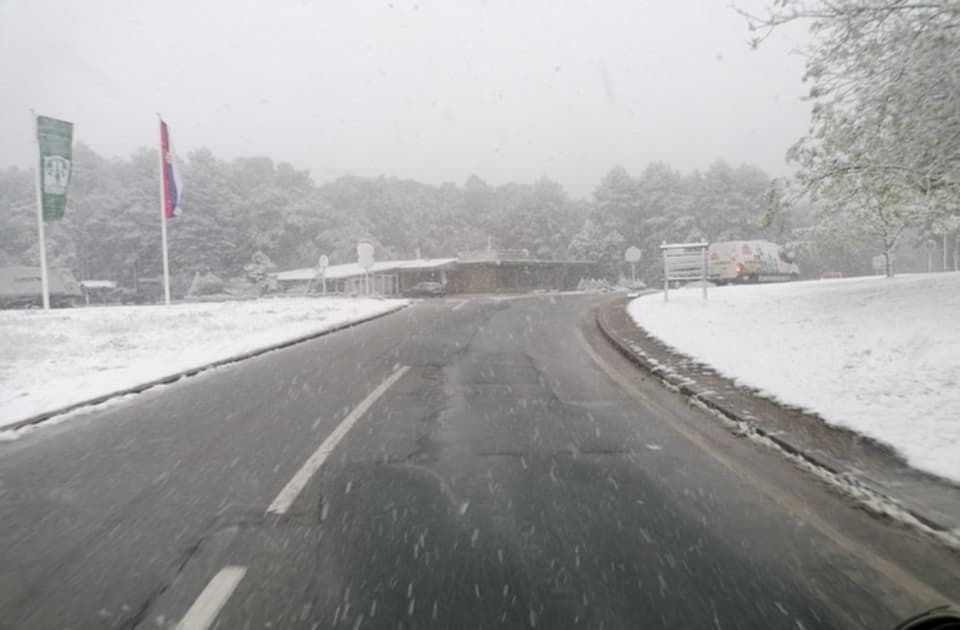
x=586, y=243
x=884, y=141
x=234, y=209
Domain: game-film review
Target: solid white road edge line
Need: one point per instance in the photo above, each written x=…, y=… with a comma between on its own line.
x=208, y=605
x=459, y=306
x=292, y=490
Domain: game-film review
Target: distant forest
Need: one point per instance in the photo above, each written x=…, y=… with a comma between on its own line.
x=233, y=209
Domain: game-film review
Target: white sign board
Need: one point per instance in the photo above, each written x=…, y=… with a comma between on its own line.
x=633, y=254
x=684, y=262
x=365, y=254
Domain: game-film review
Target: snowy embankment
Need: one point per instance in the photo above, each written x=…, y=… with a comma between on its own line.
x=52, y=359
x=879, y=356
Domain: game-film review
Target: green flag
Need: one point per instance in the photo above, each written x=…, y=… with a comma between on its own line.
x=56, y=157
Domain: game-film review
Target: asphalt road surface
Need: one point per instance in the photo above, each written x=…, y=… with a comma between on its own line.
x=487, y=463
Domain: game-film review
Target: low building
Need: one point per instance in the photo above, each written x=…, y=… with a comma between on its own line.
x=484, y=271
x=389, y=277
x=515, y=271
x=21, y=286
x=98, y=291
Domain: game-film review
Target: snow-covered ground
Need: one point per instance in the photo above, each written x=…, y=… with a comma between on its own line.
x=55, y=358
x=879, y=356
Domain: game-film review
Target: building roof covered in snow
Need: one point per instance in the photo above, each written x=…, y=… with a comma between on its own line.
x=350, y=270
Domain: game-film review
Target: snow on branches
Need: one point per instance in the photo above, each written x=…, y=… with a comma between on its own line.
x=884, y=141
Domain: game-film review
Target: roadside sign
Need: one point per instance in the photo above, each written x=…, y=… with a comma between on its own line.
x=684, y=262
x=365, y=258
x=365, y=254
x=632, y=256
x=322, y=265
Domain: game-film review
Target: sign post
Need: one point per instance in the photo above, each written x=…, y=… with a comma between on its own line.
x=633, y=256
x=365, y=258
x=322, y=265
x=684, y=262
x=945, y=248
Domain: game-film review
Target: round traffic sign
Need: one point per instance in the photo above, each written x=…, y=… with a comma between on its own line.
x=365, y=254
x=633, y=254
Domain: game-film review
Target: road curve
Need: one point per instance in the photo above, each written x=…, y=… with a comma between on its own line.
x=481, y=463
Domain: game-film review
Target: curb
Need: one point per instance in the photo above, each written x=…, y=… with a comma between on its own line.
x=682, y=385
x=848, y=482
x=176, y=376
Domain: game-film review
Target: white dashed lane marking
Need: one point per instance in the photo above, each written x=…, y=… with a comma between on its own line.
x=208, y=605
x=293, y=488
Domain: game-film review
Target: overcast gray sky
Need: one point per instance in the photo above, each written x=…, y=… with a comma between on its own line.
x=430, y=90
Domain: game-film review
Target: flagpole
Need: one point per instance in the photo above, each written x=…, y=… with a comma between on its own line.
x=38, y=175
x=163, y=222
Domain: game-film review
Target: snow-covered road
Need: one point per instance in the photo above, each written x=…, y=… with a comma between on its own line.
x=56, y=358
x=879, y=356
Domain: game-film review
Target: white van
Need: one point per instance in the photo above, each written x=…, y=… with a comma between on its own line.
x=749, y=261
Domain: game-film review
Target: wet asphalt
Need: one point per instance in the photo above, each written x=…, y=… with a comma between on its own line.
x=505, y=480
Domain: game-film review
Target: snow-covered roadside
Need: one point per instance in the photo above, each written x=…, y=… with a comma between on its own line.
x=879, y=356
x=52, y=359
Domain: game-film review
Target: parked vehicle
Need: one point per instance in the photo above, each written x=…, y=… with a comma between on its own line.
x=21, y=287
x=426, y=289
x=750, y=261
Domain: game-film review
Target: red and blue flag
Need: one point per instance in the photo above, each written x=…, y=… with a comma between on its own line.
x=172, y=186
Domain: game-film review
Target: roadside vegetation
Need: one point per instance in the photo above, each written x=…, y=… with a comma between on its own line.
x=880, y=165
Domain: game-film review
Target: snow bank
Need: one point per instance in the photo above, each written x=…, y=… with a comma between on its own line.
x=55, y=358
x=879, y=356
